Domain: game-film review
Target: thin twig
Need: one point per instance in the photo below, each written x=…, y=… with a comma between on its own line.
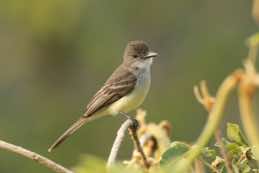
x=223, y=152
x=255, y=11
x=199, y=167
x=118, y=141
x=133, y=131
x=214, y=170
x=34, y=156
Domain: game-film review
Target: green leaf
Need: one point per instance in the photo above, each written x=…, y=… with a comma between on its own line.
x=90, y=164
x=234, y=134
x=223, y=169
x=175, y=150
x=120, y=168
x=253, y=40
x=209, y=154
x=233, y=149
x=246, y=169
x=235, y=168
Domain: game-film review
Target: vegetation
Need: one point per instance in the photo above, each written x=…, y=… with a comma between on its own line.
x=43, y=86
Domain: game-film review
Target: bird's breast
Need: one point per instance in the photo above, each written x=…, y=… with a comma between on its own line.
x=136, y=97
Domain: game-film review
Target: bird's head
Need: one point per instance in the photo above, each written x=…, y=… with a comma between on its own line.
x=138, y=51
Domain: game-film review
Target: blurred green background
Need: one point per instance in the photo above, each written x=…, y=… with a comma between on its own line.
x=56, y=53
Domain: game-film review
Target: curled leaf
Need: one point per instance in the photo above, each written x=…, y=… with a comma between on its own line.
x=175, y=150
x=234, y=134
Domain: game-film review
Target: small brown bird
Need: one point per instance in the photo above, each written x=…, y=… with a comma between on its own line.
x=124, y=90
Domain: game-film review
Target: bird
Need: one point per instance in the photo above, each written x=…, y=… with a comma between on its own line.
x=124, y=91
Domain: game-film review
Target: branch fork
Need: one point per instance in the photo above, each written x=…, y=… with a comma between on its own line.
x=132, y=126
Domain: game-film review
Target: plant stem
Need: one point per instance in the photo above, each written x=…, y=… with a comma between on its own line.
x=134, y=136
x=203, y=96
x=247, y=116
x=34, y=156
x=212, y=124
x=199, y=167
x=118, y=141
x=223, y=152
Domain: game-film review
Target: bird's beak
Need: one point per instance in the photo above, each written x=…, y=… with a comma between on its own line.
x=151, y=55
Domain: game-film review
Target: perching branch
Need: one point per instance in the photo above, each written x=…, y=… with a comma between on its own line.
x=133, y=132
x=132, y=126
x=34, y=156
x=183, y=164
x=118, y=141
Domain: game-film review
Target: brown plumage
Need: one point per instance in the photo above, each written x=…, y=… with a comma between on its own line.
x=119, y=84
x=107, y=95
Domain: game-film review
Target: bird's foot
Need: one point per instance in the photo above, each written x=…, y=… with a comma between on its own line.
x=135, y=123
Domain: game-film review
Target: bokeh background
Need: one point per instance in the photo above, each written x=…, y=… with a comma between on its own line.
x=55, y=54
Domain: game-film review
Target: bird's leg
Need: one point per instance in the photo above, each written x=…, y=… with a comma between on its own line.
x=125, y=115
x=135, y=123
x=133, y=132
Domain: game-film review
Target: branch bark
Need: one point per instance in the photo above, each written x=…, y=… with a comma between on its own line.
x=131, y=125
x=118, y=141
x=34, y=156
x=133, y=132
x=223, y=151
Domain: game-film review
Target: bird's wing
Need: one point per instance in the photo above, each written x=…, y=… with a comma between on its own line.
x=121, y=83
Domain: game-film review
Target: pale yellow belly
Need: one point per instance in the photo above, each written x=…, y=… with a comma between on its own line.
x=132, y=100
x=128, y=103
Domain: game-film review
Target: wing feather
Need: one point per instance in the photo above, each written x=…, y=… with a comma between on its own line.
x=121, y=83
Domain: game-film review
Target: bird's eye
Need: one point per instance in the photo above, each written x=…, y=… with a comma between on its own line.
x=135, y=56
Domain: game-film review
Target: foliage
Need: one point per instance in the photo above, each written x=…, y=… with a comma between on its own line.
x=175, y=150
x=51, y=49
x=242, y=157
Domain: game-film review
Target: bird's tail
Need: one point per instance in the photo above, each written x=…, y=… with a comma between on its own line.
x=72, y=129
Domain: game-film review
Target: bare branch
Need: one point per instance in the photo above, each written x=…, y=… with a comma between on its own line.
x=133, y=131
x=223, y=151
x=199, y=166
x=197, y=94
x=255, y=11
x=118, y=141
x=132, y=125
x=34, y=156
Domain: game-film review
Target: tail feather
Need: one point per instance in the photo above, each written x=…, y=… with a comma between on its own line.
x=79, y=123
